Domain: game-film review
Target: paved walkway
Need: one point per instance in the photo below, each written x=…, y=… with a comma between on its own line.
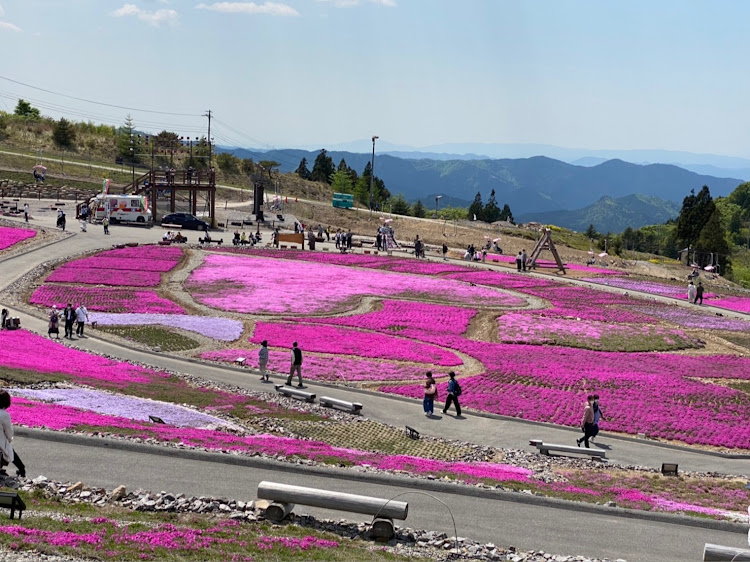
x=477, y=428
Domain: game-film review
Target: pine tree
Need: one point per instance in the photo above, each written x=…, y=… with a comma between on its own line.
x=64, y=134
x=341, y=182
x=713, y=239
x=591, y=232
x=695, y=213
x=417, y=210
x=302, y=170
x=123, y=137
x=491, y=211
x=506, y=214
x=25, y=109
x=323, y=167
x=399, y=206
x=476, y=209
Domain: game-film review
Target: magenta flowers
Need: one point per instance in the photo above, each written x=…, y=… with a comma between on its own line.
x=10, y=236
x=244, y=284
x=105, y=299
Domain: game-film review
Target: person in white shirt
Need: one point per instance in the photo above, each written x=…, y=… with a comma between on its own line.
x=82, y=316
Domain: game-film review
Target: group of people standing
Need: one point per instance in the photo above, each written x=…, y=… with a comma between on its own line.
x=70, y=316
x=521, y=260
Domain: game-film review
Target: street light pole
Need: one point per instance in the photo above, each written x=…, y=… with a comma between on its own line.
x=372, y=169
x=132, y=161
x=437, y=198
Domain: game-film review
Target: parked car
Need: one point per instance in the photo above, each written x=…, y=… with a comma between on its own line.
x=185, y=220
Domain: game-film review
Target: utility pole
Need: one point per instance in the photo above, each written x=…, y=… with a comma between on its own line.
x=372, y=169
x=208, y=114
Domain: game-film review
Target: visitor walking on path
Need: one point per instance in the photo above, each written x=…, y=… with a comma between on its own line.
x=105, y=224
x=519, y=260
x=6, y=439
x=26, y=211
x=691, y=292
x=587, y=423
x=454, y=391
x=598, y=415
x=263, y=360
x=82, y=316
x=296, y=365
x=430, y=394
x=445, y=252
x=698, y=294
x=69, y=317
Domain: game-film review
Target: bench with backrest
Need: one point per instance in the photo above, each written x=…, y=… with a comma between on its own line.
x=545, y=449
x=284, y=497
x=295, y=393
x=354, y=407
x=218, y=242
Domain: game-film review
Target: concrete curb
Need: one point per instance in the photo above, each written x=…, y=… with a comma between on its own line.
x=377, y=478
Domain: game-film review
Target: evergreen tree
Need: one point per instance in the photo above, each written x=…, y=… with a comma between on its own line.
x=64, y=134
x=399, y=206
x=228, y=163
x=323, y=168
x=476, y=209
x=248, y=166
x=417, y=210
x=25, y=109
x=123, y=137
x=343, y=166
x=695, y=212
x=491, y=211
x=506, y=214
x=591, y=232
x=269, y=166
x=341, y=182
x=713, y=239
x=302, y=170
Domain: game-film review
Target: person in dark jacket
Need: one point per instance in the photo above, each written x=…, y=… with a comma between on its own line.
x=296, y=365
x=454, y=390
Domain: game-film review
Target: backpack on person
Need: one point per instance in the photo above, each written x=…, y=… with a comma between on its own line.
x=54, y=318
x=456, y=388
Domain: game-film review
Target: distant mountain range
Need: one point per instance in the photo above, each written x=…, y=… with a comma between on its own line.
x=533, y=187
x=611, y=215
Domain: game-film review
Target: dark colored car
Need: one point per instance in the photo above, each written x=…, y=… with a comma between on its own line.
x=185, y=220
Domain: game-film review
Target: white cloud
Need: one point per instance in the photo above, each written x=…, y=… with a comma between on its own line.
x=251, y=8
x=7, y=26
x=350, y=3
x=154, y=18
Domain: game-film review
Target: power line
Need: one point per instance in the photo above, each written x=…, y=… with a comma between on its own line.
x=98, y=102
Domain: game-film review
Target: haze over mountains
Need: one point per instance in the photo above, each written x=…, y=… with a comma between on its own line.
x=537, y=188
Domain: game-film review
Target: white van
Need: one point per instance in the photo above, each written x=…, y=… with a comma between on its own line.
x=122, y=208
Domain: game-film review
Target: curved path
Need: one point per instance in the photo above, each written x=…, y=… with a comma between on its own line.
x=526, y=526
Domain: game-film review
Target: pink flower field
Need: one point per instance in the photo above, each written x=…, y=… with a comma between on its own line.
x=343, y=341
x=103, y=299
x=10, y=236
x=245, y=284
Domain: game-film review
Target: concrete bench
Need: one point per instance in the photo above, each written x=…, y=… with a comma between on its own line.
x=284, y=497
x=355, y=407
x=295, y=393
x=218, y=242
x=545, y=449
x=240, y=361
x=717, y=553
x=171, y=226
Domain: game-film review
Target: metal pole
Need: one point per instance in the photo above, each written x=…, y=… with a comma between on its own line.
x=132, y=162
x=372, y=169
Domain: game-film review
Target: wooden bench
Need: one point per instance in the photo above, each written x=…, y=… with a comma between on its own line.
x=295, y=393
x=240, y=361
x=284, y=497
x=218, y=242
x=12, y=501
x=717, y=553
x=545, y=449
x=354, y=407
x=412, y=433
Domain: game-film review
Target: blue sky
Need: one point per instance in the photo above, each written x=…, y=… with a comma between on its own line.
x=595, y=74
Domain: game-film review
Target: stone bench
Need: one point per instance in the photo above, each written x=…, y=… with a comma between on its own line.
x=295, y=393
x=354, y=407
x=545, y=449
x=284, y=497
x=717, y=553
x=218, y=242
